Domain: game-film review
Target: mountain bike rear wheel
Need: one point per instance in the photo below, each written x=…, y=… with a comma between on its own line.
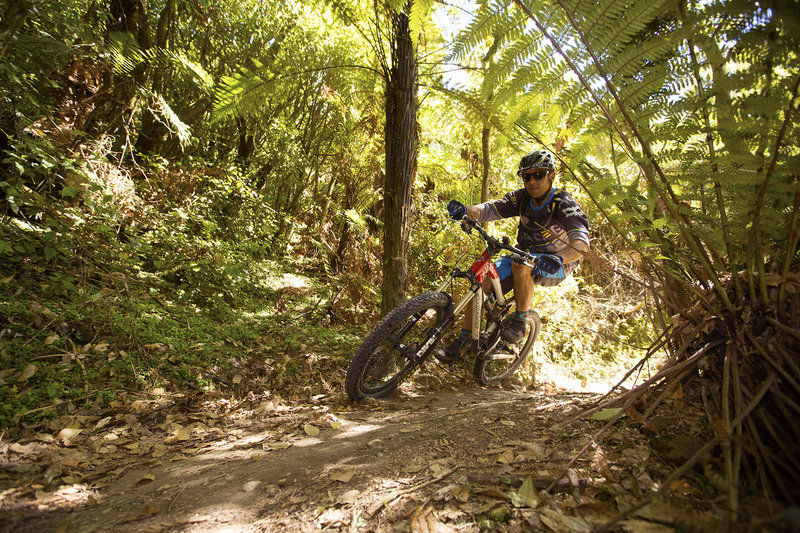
x=502, y=360
x=396, y=346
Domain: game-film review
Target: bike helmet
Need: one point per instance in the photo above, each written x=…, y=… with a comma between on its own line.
x=537, y=159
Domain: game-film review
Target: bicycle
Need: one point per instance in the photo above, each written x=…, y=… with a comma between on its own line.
x=408, y=335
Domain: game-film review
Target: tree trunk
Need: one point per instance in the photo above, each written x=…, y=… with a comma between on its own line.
x=127, y=16
x=152, y=131
x=401, y=163
x=486, y=135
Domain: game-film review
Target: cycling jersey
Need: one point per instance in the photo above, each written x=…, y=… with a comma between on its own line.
x=546, y=228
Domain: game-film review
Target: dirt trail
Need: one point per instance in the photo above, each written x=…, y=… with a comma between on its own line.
x=380, y=458
x=458, y=459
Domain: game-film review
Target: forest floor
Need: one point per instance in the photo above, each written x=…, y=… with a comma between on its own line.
x=455, y=457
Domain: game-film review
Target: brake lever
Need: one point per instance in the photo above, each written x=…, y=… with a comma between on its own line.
x=526, y=259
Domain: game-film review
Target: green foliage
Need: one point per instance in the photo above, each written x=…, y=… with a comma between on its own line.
x=643, y=75
x=420, y=10
x=607, y=330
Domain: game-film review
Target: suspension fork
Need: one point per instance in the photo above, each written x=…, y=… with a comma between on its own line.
x=477, y=308
x=475, y=294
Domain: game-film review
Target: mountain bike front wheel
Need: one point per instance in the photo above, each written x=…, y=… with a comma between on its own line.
x=502, y=360
x=396, y=346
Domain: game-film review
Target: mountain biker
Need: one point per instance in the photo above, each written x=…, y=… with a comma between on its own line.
x=551, y=223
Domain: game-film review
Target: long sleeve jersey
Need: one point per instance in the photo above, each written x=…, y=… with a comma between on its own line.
x=547, y=228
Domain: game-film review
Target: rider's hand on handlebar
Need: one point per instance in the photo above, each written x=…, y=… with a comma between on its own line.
x=456, y=209
x=550, y=263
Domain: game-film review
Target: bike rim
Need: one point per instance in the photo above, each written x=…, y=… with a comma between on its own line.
x=397, y=357
x=504, y=359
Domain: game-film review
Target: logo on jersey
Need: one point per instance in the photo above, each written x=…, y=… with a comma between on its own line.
x=573, y=210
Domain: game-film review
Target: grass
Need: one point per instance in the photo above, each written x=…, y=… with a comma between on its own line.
x=88, y=343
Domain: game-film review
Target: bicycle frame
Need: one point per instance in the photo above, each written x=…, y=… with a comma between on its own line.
x=396, y=347
x=482, y=268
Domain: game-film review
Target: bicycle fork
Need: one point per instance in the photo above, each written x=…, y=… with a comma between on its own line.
x=476, y=294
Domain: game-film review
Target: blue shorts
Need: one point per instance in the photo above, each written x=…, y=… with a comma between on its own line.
x=503, y=266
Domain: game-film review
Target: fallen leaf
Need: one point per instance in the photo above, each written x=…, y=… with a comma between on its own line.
x=348, y=497
x=67, y=436
x=26, y=373
x=44, y=437
x=344, y=476
x=335, y=425
x=180, y=434
x=605, y=414
x=490, y=492
x=237, y=379
x=572, y=475
x=50, y=340
x=147, y=478
x=7, y=279
x=506, y=457
x=423, y=520
x=600, y=464
x=460, y=493
x=269, y=446
x=526, y=496
x=439, y=467
x=102, y=423
x=499, y=513
x=557, y=521
x=417, y=465
x=311, y=430
x=250, y=486
x=159, y=450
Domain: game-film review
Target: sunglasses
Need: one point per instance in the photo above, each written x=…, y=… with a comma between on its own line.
x=538, y=175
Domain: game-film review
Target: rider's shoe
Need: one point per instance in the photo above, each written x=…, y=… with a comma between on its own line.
x=514, y=331
x=452, y=352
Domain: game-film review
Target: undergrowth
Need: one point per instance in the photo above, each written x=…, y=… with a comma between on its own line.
x=95, y=303
x=590, y=331
x=116, y=285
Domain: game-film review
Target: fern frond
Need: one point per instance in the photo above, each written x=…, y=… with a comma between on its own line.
x=636, y=19
x=181, y=130
x=242, y=92
x=478, y=32
x=194, y=69
x=124, y=51
x=416, y=19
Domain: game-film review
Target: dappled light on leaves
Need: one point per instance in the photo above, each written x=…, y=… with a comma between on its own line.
x=194, y=204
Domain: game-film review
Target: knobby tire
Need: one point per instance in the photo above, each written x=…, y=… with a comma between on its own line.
x=383, y=361
x=503, y=360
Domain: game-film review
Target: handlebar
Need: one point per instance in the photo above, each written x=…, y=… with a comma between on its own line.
x=494, y=244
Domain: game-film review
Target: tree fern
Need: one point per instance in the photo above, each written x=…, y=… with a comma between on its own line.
x=416, y=18
x=480, y=30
